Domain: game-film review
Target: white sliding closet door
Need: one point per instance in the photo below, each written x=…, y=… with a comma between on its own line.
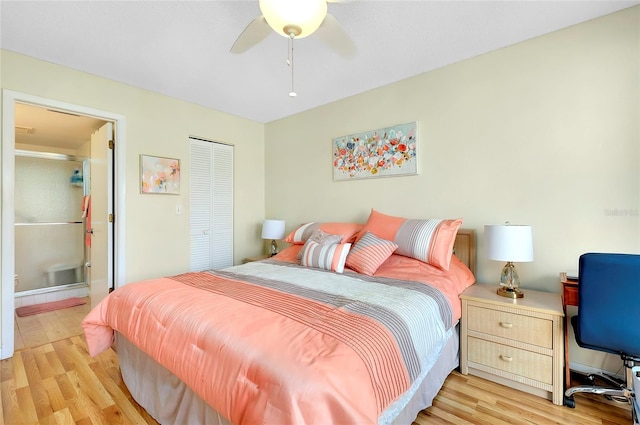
x=211, y=205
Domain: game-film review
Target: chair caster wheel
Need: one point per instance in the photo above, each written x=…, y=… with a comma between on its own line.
x=570, y=402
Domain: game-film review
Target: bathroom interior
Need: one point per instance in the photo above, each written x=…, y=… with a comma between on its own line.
x=50, y=188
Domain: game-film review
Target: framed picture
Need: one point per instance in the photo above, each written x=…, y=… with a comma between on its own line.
x=386, y=152
x=159, y=175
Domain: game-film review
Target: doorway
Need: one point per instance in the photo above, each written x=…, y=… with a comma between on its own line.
x=114, y=186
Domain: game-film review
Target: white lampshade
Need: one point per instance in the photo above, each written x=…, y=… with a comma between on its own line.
x=303, y=17
x=273, y=229
x=509, y=242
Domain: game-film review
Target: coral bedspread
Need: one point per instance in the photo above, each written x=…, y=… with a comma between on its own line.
x=274, y=342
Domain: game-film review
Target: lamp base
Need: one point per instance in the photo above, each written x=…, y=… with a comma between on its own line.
x=510, y=292
x=274, y=248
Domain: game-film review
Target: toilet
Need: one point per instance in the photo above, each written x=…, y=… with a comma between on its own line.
x=65, y=273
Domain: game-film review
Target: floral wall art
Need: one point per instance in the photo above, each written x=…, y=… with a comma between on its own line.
x=386, y=152
x=159, y=175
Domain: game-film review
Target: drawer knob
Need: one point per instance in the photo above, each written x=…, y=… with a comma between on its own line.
x=506, y=358
x=506, y=325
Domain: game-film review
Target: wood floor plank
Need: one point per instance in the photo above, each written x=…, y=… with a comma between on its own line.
x=7, y=370
x=69, y=394
x=54, y=362
x=120, y=398
x=469, y=415
x=27, y=413
x=38, y=393
x=92, y=385
x=20, y=374
x=445, y=417
x=115, y=416
x=42, y=362
x=61, y=348
x=63, y=417
x=83, y=401
x=56, y=399
x=9, y=399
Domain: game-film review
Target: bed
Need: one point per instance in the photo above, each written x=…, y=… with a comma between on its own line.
x=308, y=336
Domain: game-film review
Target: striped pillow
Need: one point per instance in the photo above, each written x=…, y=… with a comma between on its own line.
x=369, y=253
x=299, y=236
x=430, y=241
x=325, y=256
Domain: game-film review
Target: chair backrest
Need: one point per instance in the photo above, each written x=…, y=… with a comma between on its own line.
x=609, y=302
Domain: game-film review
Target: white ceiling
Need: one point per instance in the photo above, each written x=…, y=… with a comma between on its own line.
x=49, y=128
x=181, y=48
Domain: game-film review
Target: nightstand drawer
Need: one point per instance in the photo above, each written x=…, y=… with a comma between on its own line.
x=516, y=327
x=513, y=360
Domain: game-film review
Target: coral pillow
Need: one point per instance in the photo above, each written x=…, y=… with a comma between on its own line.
x=369, y=253
x=348, y=231
x=430, y=240
x=325, y=256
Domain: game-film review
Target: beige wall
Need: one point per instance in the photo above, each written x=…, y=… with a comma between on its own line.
x=545, y=132
x=157, y=240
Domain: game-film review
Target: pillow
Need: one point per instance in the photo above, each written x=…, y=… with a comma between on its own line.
x=430, y=240
x=369, y=253
x=323, y=256
x=348, y=231
x=322, y=238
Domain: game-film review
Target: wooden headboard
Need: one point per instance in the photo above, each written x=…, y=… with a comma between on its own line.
x=465, y=248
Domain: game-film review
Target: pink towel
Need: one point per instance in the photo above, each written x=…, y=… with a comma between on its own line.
x=86, y=214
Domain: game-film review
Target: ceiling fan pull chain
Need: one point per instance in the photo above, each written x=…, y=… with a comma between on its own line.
x=292, y=93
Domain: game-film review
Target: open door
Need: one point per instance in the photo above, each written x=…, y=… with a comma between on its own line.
x=100, y=229
x=108, y=235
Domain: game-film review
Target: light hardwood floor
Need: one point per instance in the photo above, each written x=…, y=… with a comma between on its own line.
x=56, y=382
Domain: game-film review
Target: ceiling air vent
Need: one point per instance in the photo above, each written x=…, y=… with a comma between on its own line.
x=23, y=130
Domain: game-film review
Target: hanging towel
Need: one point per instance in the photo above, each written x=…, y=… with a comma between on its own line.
x=86, y=214
x=85, y=205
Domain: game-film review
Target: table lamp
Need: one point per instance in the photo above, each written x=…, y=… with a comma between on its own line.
x=510, y=243
x=273, y=229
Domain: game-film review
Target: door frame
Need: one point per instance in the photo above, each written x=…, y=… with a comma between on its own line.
x=7, y=245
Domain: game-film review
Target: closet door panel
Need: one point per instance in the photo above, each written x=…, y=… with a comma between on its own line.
x=222, y=248
x=211, y=205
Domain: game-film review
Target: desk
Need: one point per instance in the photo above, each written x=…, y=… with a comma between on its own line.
x=569, y=297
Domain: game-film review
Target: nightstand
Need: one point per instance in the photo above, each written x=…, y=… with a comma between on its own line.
x=517, y=343
x=256, y=258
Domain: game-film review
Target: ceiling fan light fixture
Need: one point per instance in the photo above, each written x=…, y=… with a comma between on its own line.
x=285, y=15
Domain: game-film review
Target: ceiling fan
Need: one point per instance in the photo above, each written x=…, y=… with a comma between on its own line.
x=296, y=19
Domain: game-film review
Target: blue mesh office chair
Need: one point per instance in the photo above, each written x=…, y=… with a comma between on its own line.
x=608, y=315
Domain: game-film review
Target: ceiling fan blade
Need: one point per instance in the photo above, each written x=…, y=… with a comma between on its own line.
x=253, y=34
x=332, y=34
